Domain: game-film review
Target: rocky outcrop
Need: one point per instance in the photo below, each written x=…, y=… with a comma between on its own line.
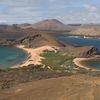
x=32, y=39
x=6, y=42
x=39, y=39
x=84, y=51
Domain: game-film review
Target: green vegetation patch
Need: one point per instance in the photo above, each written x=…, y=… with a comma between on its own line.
x=57, y=61
x=29, y=68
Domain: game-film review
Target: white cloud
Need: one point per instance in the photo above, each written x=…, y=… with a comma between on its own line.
x=34, y=10
x=90, y=8
x=3, y=21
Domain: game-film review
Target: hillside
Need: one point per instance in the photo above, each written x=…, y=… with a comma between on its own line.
x=49, y=25
x=16, y=31
x=87, y=30
x=38, y=39
x=9, y=28
x=34, y=39
x=11, y=32
x=75, y=87
x=81, y=51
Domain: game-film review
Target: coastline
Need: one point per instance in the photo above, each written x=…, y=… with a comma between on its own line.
x=33, y=55
x=77, y=62
x=83, y=36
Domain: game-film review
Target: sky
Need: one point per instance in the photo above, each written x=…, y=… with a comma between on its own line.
x=32, y=11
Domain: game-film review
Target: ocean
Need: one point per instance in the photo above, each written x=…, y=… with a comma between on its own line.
x=83, y=42
x=10, y=56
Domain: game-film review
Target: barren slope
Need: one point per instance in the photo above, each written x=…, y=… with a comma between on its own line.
x=39, y=39
x=49, y=24
x=87, y=30
x=79, y=87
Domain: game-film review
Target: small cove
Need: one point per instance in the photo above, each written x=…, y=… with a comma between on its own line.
x=10, y=56
x=95, y=64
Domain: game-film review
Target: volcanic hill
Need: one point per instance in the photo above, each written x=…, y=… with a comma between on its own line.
x=87, y=30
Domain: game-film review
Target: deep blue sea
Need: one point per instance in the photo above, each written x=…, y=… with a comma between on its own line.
x=10, y=56
x=80, y=40
x=83, y=42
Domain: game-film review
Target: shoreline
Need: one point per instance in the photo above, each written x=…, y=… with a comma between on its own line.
x=77, y=62
x=83, y=36
x=33, y=55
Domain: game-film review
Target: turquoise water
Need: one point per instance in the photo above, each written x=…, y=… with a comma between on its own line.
x=83, y=42
x=10, y=56
x=95, y=64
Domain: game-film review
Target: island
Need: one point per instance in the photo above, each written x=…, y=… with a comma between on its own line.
x=49, y=62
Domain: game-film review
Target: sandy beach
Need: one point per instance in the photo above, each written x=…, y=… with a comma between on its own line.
x=34, y=55
x=77, y=61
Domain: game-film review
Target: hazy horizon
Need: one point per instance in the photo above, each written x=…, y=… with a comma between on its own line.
x=34, y=22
